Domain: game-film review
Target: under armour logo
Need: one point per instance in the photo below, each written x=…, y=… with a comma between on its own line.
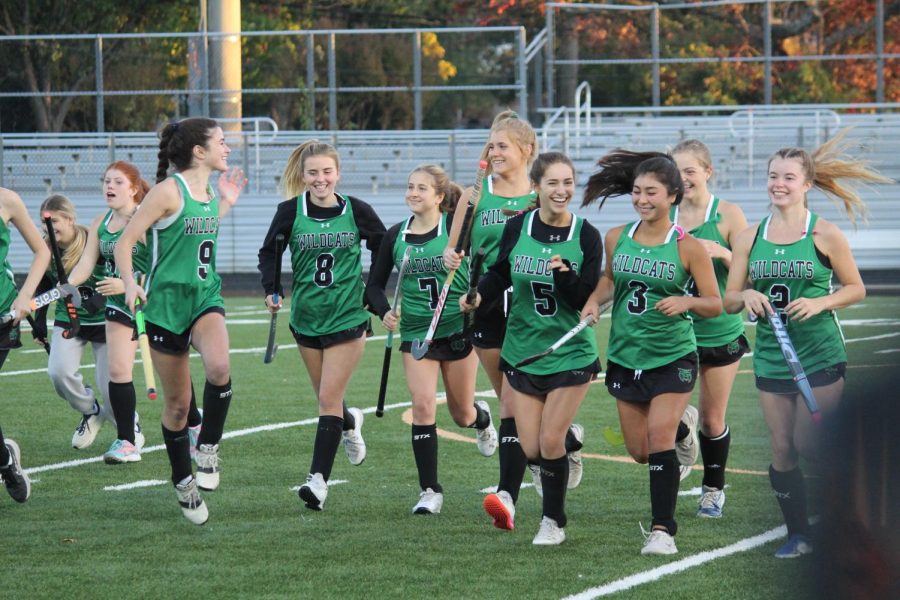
x=157, y=338
x=617, y=385
x=647, y=250
x=779, y=250
x=324, y=225
x=207, y=208
x=546, y=251
x=510, y=202
x=555, y=238
x=418, y=250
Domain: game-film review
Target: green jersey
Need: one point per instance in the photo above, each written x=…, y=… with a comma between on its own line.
x=641, y=337
x=421, y=285
x=183, y=282
x=785, y=272
x=725, y=328
x=327, y=296
x=538, y=316
x=139, y=258
x=86, y=290
x=488, y=220
x=8, y=290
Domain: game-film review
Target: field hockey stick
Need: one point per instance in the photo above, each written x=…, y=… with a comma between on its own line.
x=793, y=363
x=271, y=346
x=588, y=320
x=144, y=343
x=43, y=341
x=477, y=262
x=389, y=343
x=419, y=349
x=63, y=279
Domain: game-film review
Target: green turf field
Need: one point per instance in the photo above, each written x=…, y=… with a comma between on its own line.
x=75, y=539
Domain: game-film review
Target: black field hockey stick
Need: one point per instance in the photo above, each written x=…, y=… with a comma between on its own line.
x=69, y=297
x=389, y=342
x=585, y=322
x=793, y=363
x=271, y=346
x=144, y=344
x=42, y=341
x=474, y=277
x=419, y=349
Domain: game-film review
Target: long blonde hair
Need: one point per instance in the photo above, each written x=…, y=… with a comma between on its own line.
x=292, y=178
x=520, y=132
x=72, y=253
x=828, y=167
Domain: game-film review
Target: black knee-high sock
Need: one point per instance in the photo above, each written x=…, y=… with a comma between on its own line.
x=328, y=438
x=178, y=447
x=3, y=355
x=349, y=420
x=554, y=477
x=123, y=401
x=216, y=400
x=4, y=453
x=425, y=450
x=193, y=416
x=512, y=459
x=790, y=489
x=482, y=419
x=715, y=456
x=572, y=443
x=664, y=479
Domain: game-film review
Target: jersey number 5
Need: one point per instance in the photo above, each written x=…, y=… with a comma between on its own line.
x=544, y=301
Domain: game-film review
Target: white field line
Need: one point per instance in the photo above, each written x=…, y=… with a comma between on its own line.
x=889, y=351
x=874, y=337
x=134, y=485
x=626, y=583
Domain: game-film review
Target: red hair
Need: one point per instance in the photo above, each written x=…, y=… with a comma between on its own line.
x=133, y=175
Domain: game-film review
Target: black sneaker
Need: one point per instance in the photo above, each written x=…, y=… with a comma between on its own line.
x=14, y=478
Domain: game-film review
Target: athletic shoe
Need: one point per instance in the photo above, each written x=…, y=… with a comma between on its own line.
x=536, y=478
x=797, y=545
x=711, y=502
x=14, y=478
x=486, y=439
x=87, y=430
x=353, y=440
x=192, y=506
x=208, y=466
x=688, y=449
x=122, y=451
x=576, y=467
x=658, y=542
x=193, y=437
x=430, y=503
x=314, y=491
x=139, y=439
x=550, y=534
x=502, y=508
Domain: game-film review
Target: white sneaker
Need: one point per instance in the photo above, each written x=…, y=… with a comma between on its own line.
x=139, y=439
x=688, y=449
x=658, y=542
x=192, y=506
x=353, y=440
x=486, y=439
x=536, y=478
x=208, y=466
x=711, y=502
x=550, y=534
x=314, y=491
x=87, y=430
x=122, y=451
x=430, y=503
x=502, y=508
x=576, y=467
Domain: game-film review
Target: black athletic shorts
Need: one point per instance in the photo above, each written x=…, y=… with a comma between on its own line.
x=820, y=378
x=490, y=324
x=10, y=336
x=320, y=342
x=726, y=354
x=95, y=334
x=455, y=347
x=632, y=385
x=169, y=342
x=117, y=316
x=541, y=385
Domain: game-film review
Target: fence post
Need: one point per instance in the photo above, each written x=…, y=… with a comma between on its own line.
x=98, y=78
x=879, y=49
x=2, y=183
x=311, y=80
x=523, y=74
x=654, y=49
x=548, y=63
x=451, y=142
x=767, y=51
x=417, y=78
x=332, y=84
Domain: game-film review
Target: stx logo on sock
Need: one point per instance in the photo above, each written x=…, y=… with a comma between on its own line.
x=421, y=436
x=656, y=467
x=509, y=439
x=226, y=394
x=782, y=495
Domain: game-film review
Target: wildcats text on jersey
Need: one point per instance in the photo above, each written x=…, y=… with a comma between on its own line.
x=201, y=225
x=529, y=265
x=108, y=247
x=649, y=267
x=782, y=269
x=340, y=239
x=492, y=216
x=429, y=264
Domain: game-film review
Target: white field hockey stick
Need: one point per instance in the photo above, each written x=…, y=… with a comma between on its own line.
x=144, y=344
x=271, y=346
x=793, y=363
x=419, y=349
x=389, y=343
x=588, y=320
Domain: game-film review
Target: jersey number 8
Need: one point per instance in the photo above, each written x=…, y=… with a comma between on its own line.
x=323, y=277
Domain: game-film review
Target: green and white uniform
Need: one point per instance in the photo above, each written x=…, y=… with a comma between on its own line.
x=421, y=285
x=538, y=315
x=8, y=290
x=641, y=337
x=86, y=290
x=785, y=272
x=139, y=258
x=723, y=329
x=488, y=220
x=183, y=283
x=327, y=296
